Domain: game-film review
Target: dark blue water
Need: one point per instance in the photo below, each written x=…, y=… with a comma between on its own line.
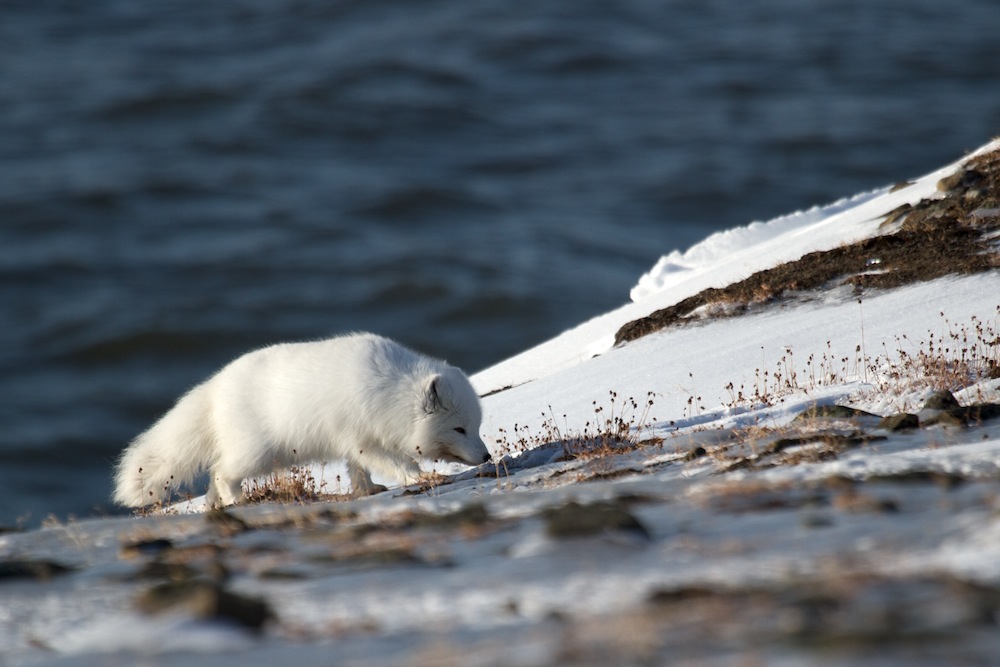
x=181, y=181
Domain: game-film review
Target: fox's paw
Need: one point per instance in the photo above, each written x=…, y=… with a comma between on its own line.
x=370, y=489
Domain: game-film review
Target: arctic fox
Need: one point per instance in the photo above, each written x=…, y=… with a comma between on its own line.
x=359, y=397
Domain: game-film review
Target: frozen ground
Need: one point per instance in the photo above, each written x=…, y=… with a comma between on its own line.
x=727, y=527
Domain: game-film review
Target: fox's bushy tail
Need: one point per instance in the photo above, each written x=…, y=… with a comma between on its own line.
x=169, y=454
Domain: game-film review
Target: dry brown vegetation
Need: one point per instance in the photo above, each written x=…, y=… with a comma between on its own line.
x=294, y=485
x=617, y=428
x=956, y=357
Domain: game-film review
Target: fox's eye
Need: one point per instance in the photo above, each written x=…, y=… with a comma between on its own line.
x=459, y=429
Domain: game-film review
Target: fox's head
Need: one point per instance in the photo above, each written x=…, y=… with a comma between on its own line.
x=451, y=420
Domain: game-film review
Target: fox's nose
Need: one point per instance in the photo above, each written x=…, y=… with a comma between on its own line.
x=487, y=458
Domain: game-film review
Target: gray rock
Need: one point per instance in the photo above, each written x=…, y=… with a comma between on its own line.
x=899, y=422
x=575, y=520
x=941, y=400
x=41, y=570
x=832, y=412
x=205, y=600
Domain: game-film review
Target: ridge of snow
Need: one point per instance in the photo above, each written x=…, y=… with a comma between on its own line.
x=718, y=261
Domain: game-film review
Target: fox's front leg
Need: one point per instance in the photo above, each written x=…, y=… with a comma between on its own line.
x=224, y=491
x=405, y=472
x=408, y=472
x=361, y=481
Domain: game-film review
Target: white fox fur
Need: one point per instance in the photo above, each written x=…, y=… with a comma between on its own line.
x=360, y=397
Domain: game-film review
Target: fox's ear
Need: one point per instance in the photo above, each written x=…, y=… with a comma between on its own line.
x=432, y=395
